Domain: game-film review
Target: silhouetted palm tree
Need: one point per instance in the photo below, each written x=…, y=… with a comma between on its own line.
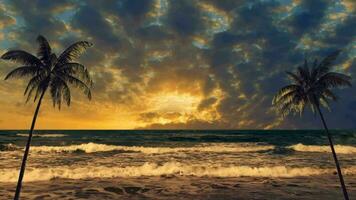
x=312, y=86
x=48, y=72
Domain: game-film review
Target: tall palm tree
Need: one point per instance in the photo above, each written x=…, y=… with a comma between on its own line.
x=48, y=72
x=312, y=86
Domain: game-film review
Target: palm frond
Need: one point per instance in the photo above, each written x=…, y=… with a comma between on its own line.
x=59, y=91
x=313, y=108
x=287, y=97
x=44, y=51
x=78, y=83
x=330, y=95
x=314, y=71
x=23, y=72
x=294, y=77
x=285, y=91
x=29, y=90
x=315, y=63
x=294, y=104
x=55, y=91
x=34, y=82
x=70, y=66
x=325, y=65
x=301, y=106
x=22, y=57
x=334, y=79
x=73, y=51
x=328, y=60
x=303, y=72
x=42, y=87
x=75, y=69
x=66, y=93
x=286, y=108
x=324, y=102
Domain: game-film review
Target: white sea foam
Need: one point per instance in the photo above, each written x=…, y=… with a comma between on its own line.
x=169, y=168
x=94, y=147
x=42, y=135
x=341, y=149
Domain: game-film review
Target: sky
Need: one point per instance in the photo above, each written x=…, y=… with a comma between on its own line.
x=180, y=64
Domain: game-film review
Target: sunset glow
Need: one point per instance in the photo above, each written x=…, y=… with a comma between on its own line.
x=216, y=66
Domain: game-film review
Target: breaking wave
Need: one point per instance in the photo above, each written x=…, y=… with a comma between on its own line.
x=94, y=147
x=341, y=149
x=153, y=169
x=41, y=135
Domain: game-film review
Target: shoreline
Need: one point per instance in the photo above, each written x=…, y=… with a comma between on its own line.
x=178, y=187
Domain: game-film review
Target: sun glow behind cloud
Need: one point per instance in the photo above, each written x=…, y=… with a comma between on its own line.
x=174, y=102
x=170, y=107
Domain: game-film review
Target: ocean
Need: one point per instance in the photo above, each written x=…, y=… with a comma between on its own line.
x=178, y=164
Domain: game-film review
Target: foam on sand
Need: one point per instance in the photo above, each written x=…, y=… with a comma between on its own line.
x=154, y=169
x=94, y=147
x=341, y=149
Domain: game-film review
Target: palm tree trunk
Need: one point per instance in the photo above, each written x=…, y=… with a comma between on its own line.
x=24, y=159
x=346, y=196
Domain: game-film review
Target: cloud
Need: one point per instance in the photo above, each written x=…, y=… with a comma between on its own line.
x=39, y=17
x=344, y=33
x=221, y=61
x=151, y=117
x=192, y=124
x=92, y=23
x=349, y=5
x=5, y=20
x=309, y=15
x=206, y=103
x=184, y=18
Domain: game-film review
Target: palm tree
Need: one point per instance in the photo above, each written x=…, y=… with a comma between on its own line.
x=312, y=86
x=48, y=72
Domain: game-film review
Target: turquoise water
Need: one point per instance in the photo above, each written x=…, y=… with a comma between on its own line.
x=96, y=156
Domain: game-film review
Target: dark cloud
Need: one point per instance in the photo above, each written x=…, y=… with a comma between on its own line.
x=227, y=5
x=153, y=33
x=39, y=18
x=344, y=33
x=138, y=54
x=206, y=103
x=135, y=9
x=90, y=21
x=310, y=15
x=184, y=17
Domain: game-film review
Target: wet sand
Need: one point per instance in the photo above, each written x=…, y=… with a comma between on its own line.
x=178, y=187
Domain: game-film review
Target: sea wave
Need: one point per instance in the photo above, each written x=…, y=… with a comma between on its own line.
x=94, y=147
x=154, y=169
x=341, y=149
x=42, y=135
x=8, y=147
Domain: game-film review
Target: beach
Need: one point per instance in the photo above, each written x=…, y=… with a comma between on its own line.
x=178, y=187
x=178, y=165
